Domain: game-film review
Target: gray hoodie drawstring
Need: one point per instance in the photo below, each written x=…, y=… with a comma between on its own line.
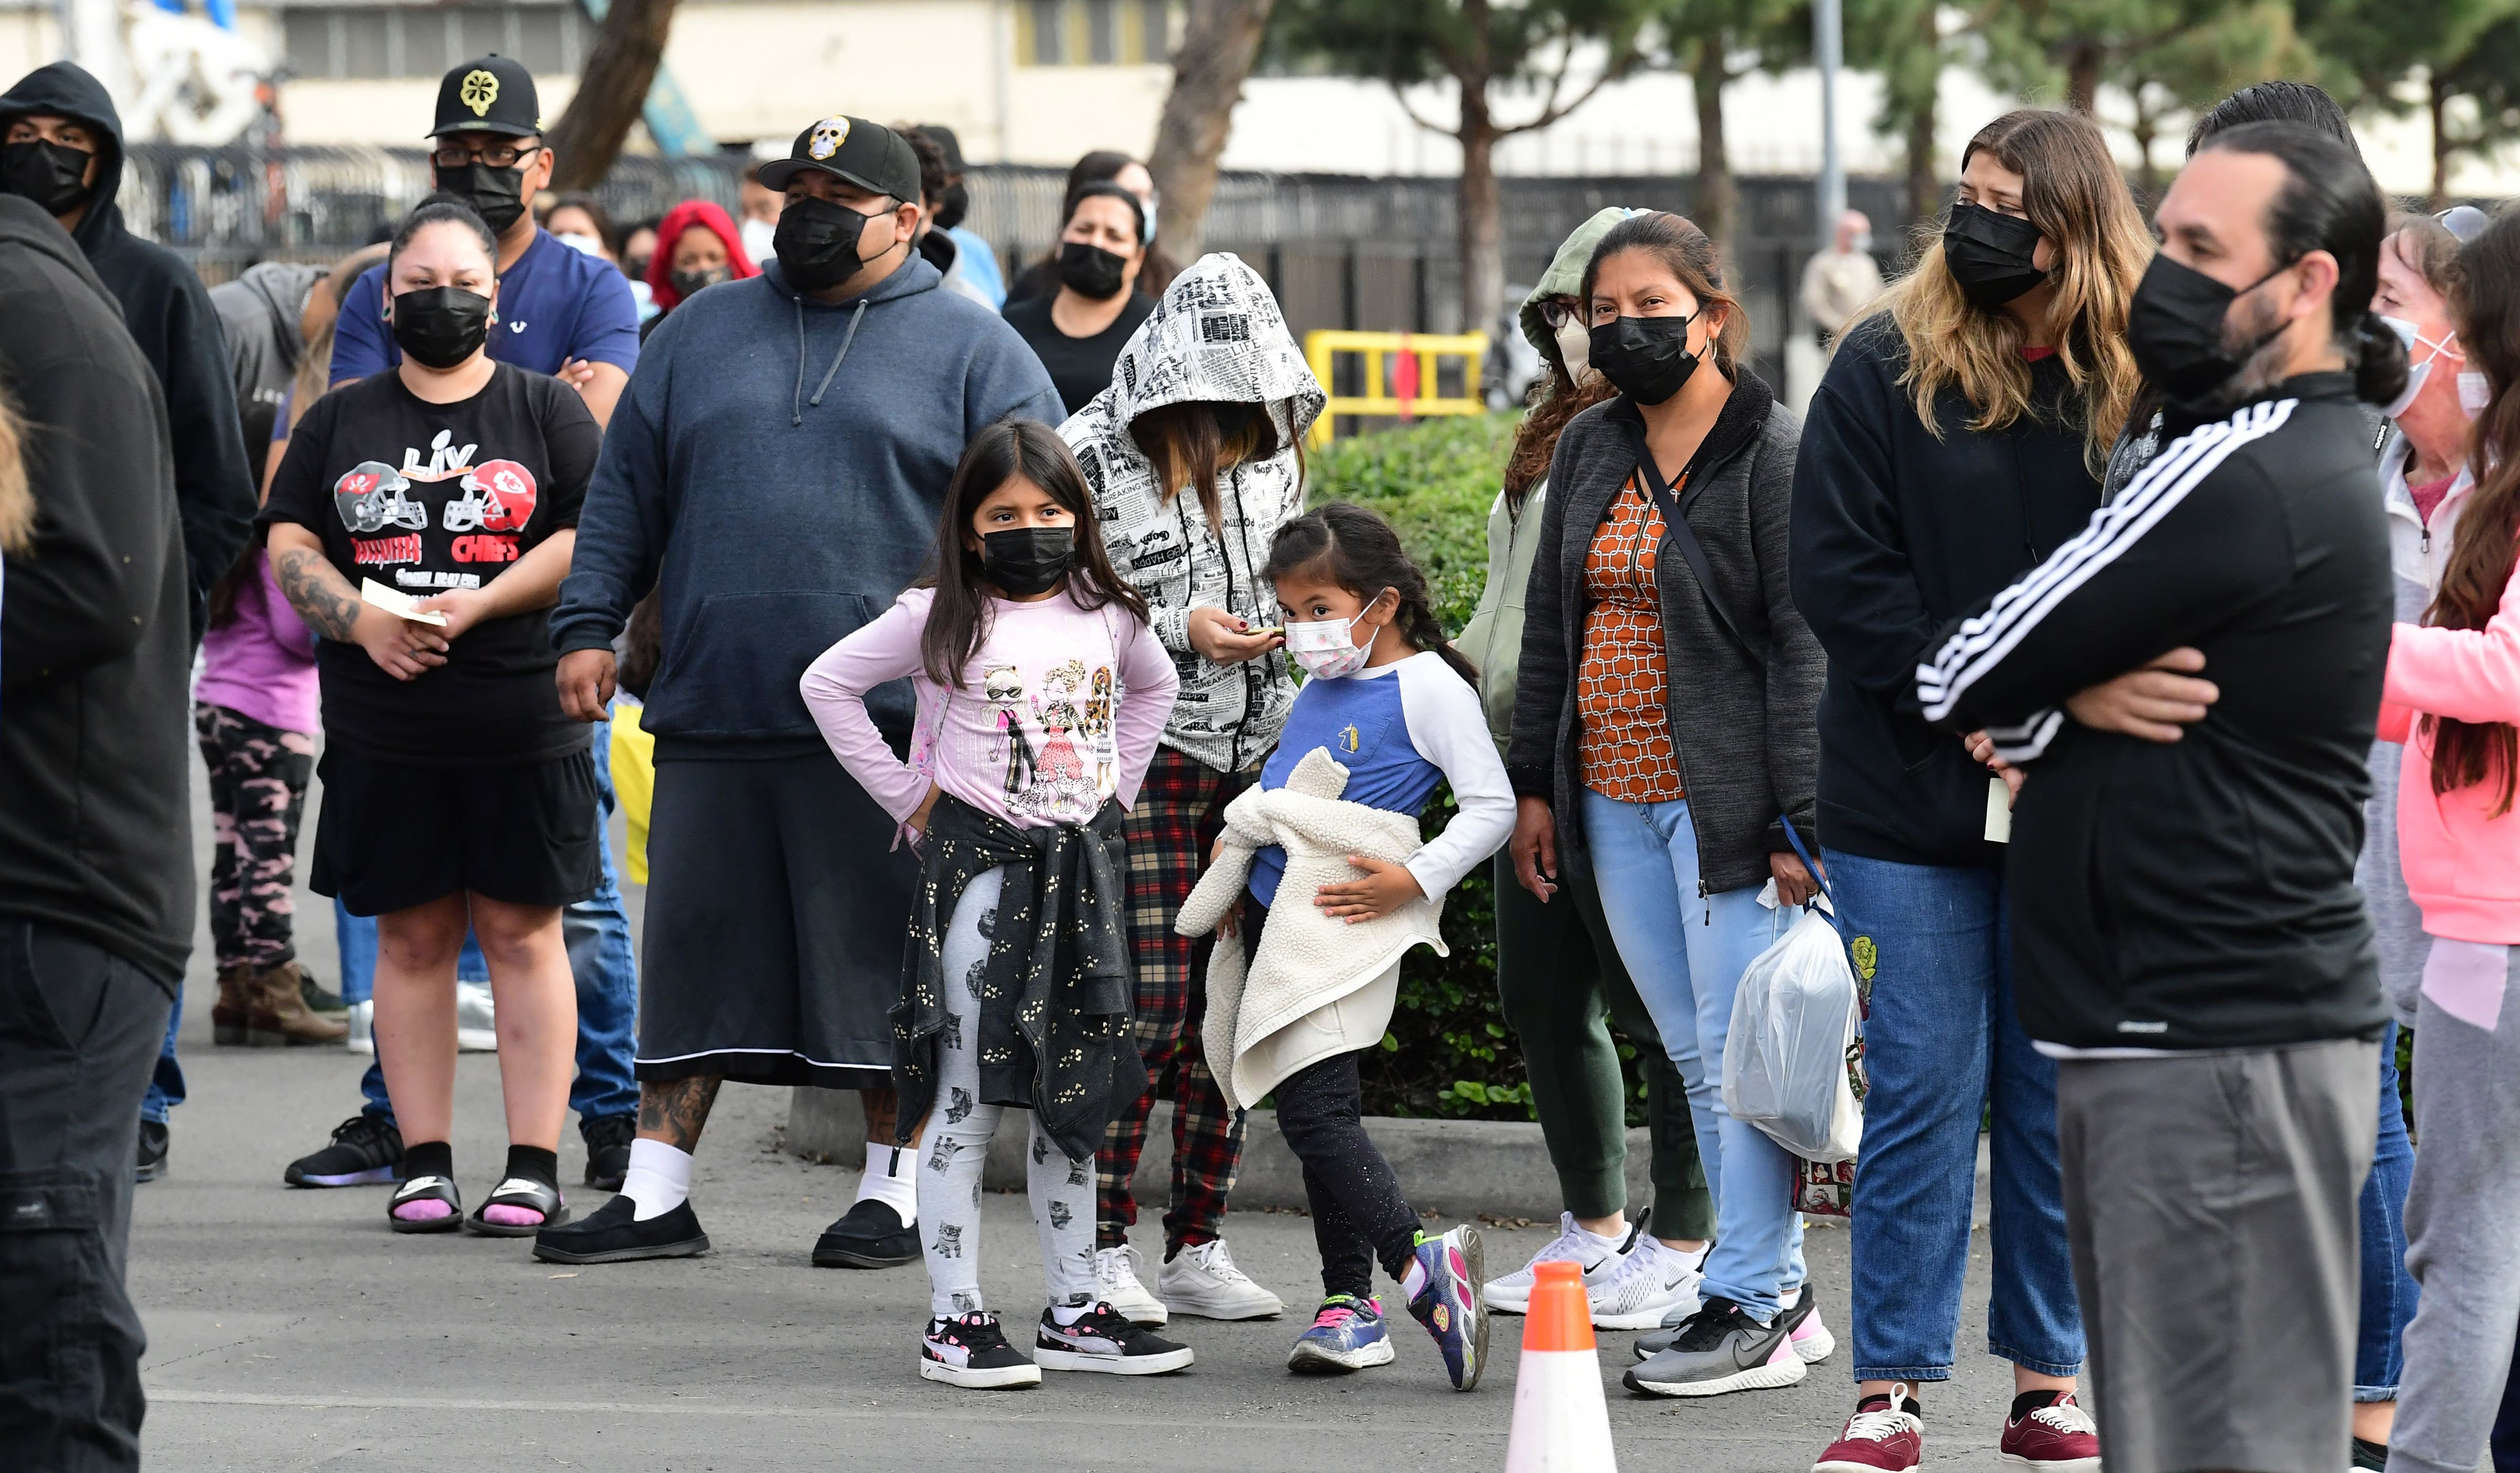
x=799, y=403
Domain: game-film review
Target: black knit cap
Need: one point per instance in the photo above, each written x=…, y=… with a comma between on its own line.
x=868, y=155
x=492, y=95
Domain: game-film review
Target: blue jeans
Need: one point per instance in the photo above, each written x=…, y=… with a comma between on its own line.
x=1944, y=1048
x=1686, y=951
x=2388, y=1289
x=597, y=932
x=166, y=1080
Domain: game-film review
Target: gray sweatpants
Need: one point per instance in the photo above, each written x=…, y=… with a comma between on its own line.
x=2462, y=1238
x=956, y=1144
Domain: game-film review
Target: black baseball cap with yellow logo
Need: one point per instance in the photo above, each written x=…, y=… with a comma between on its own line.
x=494, y=94
x=868, y=155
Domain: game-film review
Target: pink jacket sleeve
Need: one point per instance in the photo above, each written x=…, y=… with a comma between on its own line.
x=834, y=688
x=1148, y=682
x=2464, y=674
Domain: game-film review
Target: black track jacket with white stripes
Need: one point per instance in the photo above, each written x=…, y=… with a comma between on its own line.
x=2196, y=894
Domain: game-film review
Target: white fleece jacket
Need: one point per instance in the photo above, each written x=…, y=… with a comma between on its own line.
x=1320, y=987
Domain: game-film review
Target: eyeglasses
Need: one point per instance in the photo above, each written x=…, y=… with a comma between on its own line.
x=496, y=154
x=1557, y=314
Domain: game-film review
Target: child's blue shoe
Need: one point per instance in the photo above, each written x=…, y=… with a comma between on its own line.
x=1448, y=1303
x=1346, y=1335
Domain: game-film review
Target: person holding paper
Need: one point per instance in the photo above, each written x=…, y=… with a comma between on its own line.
x=456, y=793
x=1955, y=440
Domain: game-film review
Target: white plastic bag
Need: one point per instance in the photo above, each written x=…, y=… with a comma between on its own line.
x=1794, y=1020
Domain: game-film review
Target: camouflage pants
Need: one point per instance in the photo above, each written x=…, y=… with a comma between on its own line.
x=258, y=777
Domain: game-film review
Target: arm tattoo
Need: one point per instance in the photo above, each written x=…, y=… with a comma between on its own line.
x=674, y=1110
x=320, y=595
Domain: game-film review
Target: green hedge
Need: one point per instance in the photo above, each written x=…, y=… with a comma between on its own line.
x=1449, y=1052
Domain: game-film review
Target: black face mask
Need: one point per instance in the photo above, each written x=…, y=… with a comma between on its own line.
x=635, y=267
x=952, y=206
x=687, y=282
x=496, y=195
x=1646, y=359
x=1089, y=270
x=1025, y=560
x=816, y=243
x=441, y=326
x=2177, y=327
x=51, y=174
x=1988, y=254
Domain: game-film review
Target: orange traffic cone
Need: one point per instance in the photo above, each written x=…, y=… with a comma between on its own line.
x=1560, y=1424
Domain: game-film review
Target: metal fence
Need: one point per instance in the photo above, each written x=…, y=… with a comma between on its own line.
x=1340, y=252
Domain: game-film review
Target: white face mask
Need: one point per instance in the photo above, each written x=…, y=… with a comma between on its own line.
x=2474, y=393
x=1862, y=243
x=1328, y=649
x=585, y=243
x=757, y=237
x=2418, y=374
x=1575, y=346
x=1150, y=202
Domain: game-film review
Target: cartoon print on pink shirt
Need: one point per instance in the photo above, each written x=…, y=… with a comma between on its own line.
x=1064, y=784
x=1004, y=686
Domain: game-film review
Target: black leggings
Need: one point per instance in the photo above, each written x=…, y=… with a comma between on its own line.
x=1358, y=1213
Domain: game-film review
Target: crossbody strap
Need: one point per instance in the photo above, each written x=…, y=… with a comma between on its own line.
x=1692, y=551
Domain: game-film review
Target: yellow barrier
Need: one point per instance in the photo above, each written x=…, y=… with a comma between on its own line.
x=1400, y=373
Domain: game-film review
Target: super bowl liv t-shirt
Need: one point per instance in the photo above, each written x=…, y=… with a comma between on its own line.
x=429, y=497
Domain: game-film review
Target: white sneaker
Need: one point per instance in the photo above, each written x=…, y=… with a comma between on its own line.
x=1202, y=1280
x=363, y=1028
x=1651, y=1283
x=477, y=1024
x=1115, y=1270
x=1599, y=1258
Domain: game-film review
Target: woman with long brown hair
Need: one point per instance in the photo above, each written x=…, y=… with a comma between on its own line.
x=2457, y=676
x=1957, y=440
x=1558, y=976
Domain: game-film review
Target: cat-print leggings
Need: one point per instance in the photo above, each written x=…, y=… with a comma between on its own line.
x=957, y=1145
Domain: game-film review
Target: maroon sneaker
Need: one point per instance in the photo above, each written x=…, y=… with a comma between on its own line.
x=2058, y=1438
x=1880, y=1438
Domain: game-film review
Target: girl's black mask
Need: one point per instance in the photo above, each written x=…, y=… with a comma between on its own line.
x=1089, y=270
x=440, y=326
x=1646, y=359
x=2177, y=328
x=53, y=175
x=816, y=243
x=687, y=282
x=1025, y=560
x=496, y=195
x=1990, y=255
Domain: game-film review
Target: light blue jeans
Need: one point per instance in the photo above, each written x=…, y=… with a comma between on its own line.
x=1686, y=951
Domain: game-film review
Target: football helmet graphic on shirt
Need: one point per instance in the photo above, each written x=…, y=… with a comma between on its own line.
x=498, y=495
x=369, y=499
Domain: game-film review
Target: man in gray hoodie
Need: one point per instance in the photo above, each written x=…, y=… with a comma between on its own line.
x=779, y=500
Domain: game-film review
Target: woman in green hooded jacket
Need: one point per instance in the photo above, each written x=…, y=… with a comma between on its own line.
x=1558, y=975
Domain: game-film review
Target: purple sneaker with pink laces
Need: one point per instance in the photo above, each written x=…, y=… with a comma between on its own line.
x=1347, y=1334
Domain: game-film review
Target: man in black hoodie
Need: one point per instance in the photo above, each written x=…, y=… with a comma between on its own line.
x=96, y=878
x=64, y=150
x=2187, y=935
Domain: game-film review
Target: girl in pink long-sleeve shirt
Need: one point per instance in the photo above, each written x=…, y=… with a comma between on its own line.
x=1041, y=695
x=2453, y=695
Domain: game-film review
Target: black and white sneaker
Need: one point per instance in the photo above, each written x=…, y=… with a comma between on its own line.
x=1721, y=1348
x=1105, y=1340
x=365, y=1151
x=969, y=1349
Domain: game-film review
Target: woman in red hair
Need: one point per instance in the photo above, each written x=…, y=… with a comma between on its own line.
x=696, y=246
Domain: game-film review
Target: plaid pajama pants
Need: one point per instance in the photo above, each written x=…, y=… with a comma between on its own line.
x=1179, y=815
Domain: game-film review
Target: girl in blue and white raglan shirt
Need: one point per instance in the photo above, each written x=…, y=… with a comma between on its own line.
x=1388, y=699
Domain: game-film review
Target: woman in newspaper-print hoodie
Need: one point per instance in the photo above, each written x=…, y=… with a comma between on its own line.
x=1194, y=454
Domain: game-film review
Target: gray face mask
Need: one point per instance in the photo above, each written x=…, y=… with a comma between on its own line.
x=1575, y=347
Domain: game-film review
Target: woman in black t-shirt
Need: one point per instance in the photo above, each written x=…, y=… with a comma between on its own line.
x=1078, y=332
x=422, y=522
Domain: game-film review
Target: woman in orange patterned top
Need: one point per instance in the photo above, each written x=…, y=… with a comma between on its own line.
x=1664, y=730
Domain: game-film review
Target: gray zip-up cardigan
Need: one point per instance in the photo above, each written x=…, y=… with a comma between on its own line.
x=1747, y=729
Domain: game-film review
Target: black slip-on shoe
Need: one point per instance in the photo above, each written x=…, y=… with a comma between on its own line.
x=869, y=1235
x=607, y=1149
x=612, y=1234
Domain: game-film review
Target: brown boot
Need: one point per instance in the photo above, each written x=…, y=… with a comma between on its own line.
x=228, y=1015
x=279, y=1014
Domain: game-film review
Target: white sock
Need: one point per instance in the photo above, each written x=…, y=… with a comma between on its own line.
x=1068, y=1314
x=1413, y=1281
x=891, y=1178
x=659, y=1179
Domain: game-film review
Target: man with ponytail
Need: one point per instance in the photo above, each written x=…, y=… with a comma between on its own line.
x=2190, y=942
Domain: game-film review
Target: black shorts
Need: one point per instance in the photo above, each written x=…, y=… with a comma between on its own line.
x=778, y=911
x=391, y=836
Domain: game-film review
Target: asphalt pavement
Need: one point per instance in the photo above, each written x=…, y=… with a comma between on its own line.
x=290, y=1330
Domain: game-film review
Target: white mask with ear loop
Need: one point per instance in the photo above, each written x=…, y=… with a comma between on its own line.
x=2474, y=393
x=2418, y=374
x=1575, y=346
x=1326, y=648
